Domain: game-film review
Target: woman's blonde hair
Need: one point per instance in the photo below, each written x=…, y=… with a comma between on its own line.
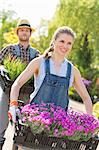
x=60, y=30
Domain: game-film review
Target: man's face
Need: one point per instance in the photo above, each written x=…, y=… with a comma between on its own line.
x=24, y=34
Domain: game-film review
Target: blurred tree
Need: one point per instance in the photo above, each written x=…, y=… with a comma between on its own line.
x=7, y=23
x=82, y=17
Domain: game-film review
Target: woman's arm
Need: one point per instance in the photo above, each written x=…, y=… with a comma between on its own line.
x=30, y=70
x=82, y=91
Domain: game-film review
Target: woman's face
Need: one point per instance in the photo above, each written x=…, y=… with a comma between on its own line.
x=63, y=44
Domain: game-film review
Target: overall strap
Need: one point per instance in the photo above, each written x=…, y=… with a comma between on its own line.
x=32, y=53
x=47, y=66
x=68, y=74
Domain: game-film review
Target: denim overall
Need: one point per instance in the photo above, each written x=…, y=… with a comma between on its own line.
x=32, y=52
x=54, y=89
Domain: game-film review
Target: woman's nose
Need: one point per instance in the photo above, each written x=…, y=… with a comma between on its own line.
x=65, y=46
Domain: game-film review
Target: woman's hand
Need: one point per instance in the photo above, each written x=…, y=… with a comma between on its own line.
x=12, y=111
x=12, y=114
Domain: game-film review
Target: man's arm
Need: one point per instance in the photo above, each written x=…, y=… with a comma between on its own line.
x=5, y=52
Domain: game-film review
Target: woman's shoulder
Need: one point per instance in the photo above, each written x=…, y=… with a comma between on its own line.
x=37, y=59
x=74, y=68
x=76, y=71
x=68, y=61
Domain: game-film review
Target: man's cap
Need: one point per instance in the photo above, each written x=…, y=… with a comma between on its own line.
x=24, y=23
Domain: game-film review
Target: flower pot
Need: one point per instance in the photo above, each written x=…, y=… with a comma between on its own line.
x=24, y=137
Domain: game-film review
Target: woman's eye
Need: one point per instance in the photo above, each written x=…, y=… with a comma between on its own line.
x=69, y=43
x=62, y=41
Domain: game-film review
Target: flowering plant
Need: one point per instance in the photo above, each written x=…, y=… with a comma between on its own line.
x=86, y=82
x=55, y=121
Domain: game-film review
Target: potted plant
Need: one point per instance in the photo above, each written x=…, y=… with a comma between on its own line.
x=59, y=128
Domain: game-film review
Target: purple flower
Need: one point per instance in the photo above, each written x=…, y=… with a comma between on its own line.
x=86, y=82
x=55, y=121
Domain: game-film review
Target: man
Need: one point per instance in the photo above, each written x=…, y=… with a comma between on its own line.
x=25, y=53
x=22, y=50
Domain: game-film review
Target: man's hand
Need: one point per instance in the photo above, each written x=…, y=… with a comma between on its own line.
x=4, y=72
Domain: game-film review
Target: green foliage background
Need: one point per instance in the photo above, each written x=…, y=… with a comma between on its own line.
x=83, y=17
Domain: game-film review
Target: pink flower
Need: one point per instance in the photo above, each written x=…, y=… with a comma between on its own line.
x=55, y=121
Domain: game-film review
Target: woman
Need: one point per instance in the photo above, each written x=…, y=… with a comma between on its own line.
x=53, y=74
